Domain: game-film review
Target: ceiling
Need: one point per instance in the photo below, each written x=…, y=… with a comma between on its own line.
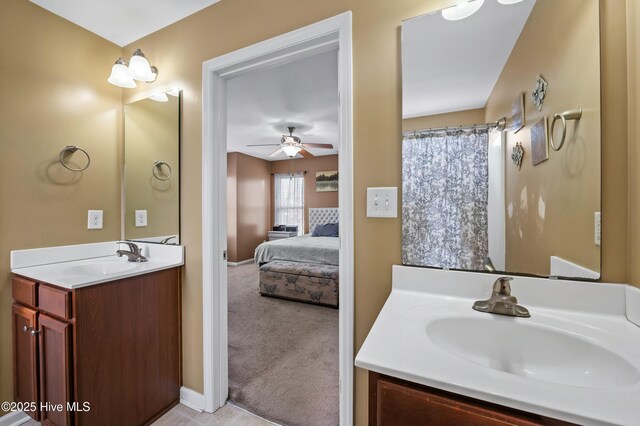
x=262, y=103
x=123, y=21
x=453, y=65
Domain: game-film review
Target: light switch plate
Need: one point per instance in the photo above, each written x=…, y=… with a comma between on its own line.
x=94, y=220
x=598, y=228
x=141, y=218
x=382, y=202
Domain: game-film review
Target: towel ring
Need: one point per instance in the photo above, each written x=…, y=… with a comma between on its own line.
x=72, y=149
x=573, y=114
x=158, y=164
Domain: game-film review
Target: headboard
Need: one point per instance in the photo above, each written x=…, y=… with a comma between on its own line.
x=322, y=215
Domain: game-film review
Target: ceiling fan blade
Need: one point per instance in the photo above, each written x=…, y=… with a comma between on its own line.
x=266, y=144
x=318, y=145
x=276, y=153
x=305, y=153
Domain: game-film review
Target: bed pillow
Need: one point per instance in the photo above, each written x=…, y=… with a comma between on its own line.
x=326, y=230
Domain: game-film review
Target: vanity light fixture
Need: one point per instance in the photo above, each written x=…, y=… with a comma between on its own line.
x=462, y=10
x=141, y=69
x=120, y=75
x=124, y=73
x=159, y=97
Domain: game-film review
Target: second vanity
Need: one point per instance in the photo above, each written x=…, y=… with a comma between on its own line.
x=96, y=337
x=432, y=358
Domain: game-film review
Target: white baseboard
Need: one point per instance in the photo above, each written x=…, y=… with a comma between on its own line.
x=244, y=262
x=15, y=418
x=190, y=398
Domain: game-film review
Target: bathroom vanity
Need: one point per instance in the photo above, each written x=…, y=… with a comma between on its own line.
x=433, y=359
x=97, y=341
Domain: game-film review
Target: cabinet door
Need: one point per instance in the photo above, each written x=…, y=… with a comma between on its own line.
x=399, y=404
x=55, y=374
x=25, y=356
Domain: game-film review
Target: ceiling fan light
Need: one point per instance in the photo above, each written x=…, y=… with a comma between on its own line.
x=291, y=151
x=140, y=68
x=462, y=10
x=120, y=75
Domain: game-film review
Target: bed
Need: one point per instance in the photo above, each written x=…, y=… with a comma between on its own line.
x=304, y=248
x=303, y=268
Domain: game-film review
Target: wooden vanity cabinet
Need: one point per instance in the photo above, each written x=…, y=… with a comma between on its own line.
x=396, y=402
x=112, y=349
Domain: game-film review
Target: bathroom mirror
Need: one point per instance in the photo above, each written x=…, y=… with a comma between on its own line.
x=152, y=169
x=480, y=195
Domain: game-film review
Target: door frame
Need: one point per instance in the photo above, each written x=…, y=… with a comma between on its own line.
x=329, y=34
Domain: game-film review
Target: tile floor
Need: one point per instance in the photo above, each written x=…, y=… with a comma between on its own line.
x=181, y=415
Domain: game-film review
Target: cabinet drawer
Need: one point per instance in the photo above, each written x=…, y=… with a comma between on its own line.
x=25, y=291
x=54, y=301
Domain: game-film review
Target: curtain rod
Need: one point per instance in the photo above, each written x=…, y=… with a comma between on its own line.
x=499, y=125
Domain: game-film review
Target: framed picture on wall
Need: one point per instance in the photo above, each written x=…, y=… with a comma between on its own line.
x=327, y=181
x=517, y=113
x=539, y=146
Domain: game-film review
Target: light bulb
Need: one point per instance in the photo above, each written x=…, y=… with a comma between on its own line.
x=140, y=68
x=462, y=10
x=290, y=150
x=159, y=97
x=120, y=75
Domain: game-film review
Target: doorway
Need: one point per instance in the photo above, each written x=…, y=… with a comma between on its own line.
x=320, y=37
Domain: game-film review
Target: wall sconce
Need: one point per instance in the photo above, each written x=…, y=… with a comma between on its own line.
x=124, y=73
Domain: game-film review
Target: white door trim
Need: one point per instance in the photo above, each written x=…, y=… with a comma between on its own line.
x=332, y=32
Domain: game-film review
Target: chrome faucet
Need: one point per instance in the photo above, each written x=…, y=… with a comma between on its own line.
x=166, y=240
x=135, y=253
x=501, y=301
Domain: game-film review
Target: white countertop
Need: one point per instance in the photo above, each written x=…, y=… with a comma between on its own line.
x=83, y=265
x=398, y=344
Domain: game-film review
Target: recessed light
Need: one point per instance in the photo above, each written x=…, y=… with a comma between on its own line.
x=462, y=10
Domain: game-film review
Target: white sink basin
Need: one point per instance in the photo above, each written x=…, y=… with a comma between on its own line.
x=520, y=347
x=100, y=267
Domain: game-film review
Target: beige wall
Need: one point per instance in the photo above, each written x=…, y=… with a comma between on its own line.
x=250, y=181
x=312, y=199
x=450, y=119
x=633, y=73
x=615, y=143
x=75, y=105
x=226, y=26
x=550, y=206
x=54, y=93
x=151, y=133
x=232, y=207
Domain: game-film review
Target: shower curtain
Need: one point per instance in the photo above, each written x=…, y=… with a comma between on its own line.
x=444, y=199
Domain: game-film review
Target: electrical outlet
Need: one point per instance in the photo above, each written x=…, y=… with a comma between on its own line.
x=382, y=202
x=141, y=218
x=598, y=228
x=94, y=219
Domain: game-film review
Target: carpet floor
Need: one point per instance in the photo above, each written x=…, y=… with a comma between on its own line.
x=283, y=355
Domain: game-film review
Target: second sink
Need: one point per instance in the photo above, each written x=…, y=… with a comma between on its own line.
x=532, y=351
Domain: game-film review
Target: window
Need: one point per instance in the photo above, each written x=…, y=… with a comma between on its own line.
x=289, y=200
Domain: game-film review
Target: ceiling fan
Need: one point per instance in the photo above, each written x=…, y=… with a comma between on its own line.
x=291, y=145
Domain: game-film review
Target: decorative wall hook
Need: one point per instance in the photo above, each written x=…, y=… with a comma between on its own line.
x=517, y=154
x=539, y=92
